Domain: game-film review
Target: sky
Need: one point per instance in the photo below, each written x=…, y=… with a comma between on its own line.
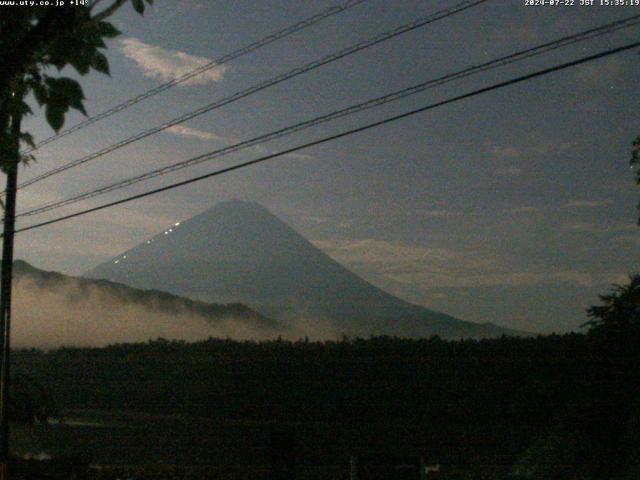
x=515, y=207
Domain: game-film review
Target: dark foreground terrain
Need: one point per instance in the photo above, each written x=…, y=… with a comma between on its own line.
x=546, y=407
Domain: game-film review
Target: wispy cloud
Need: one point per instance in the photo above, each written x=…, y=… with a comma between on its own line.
x=603, y=227
x=604, y=73
x=524, y=210
x=505, y=152
x=393, y=265
x=437, y=213
x=157, y=62
x=299, y=156
x=628, y=239
x=511, y=279
x=503, y=158
x=507, y=171
x=587, y=203
x=388, y=254
x=403, y=268
x=315, y=219
x=209, y=136
x=535, y=147
x=195, y=133
x=550, y=147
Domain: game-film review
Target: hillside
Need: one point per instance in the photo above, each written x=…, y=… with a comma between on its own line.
x=52, y=309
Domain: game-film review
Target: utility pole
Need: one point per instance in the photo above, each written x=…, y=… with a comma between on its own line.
x=6, y=274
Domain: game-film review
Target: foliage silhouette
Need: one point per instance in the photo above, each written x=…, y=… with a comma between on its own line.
x=597, y=437
x=35, y=39
x=30, y=402
x=619, y=315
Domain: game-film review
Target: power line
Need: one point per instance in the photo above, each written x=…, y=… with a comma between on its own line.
x=382, y=37
x=375, y=102
x=346, y=133
x=208, y=66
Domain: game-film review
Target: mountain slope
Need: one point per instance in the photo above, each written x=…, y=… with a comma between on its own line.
x=52, y=309
x=240, y=252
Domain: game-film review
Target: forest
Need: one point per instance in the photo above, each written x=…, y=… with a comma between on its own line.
x=556, y=406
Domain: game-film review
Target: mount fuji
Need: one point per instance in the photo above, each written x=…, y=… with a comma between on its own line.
x=239, y=252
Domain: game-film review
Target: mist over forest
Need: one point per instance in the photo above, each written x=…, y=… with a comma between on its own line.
x=53, y=310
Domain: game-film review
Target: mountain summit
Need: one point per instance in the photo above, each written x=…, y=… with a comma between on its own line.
x=240, y=252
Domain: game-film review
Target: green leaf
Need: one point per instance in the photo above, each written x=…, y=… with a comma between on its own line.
x=138, y=6
x=27, y=159
x=25, y=109
x=78, y=105
x=82, y=63
x=71, y=93
x=63, y=93
x=27, y=138
x=105, y=29
x=55, y=115
x=61, y=50
x=100, y=63
x=65, y=89
x=41, y=93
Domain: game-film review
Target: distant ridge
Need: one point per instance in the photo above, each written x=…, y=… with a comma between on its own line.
x=162, y=300
x=53, y=309
x=240, y=252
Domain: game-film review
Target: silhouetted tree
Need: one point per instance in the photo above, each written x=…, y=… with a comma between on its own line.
x=619, y=315
x=30, y=402
x=613, y=426
x=34, y=39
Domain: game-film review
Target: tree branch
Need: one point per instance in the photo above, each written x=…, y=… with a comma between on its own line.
x=107, y=12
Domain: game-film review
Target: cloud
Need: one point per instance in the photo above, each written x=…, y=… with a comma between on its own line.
x=299, y=156
x=505, y=152
x=507, y=171
x=389, y=253
x=604, y=73
x=524, y=210
x=628, y=239
x=503, y=157
x=401, y=269
x=587, y=203
x=603, y=228
x=512, y=279
x=536, y=147
x=437, y=213
x=548, y=147
x=195, y=133
x=382, y=261
x=156, y=62
x=208, y=136
x=434, y=213
x=315, y=219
